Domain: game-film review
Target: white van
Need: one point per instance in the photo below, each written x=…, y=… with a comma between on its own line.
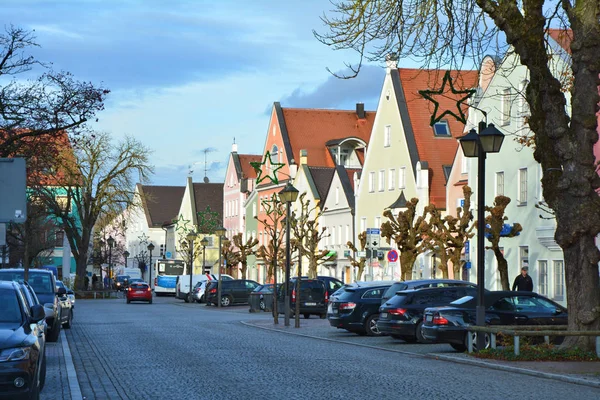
x=182, y=287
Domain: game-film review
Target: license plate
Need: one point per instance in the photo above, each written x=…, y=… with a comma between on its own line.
x=383, y=315
x=139, y=291
x=429, y=318
x=310, y=304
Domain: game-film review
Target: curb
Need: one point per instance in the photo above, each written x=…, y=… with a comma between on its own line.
x=71, y=373
x=478, y=363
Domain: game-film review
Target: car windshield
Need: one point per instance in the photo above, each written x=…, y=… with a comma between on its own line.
x=462, y=300
x=396, y=287
x=122, y=278
x=10, y=312
x=59, y=284
x=41, y=282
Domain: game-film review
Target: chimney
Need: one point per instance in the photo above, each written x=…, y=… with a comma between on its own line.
x=303, y=157
x=360, y=110
x=234, y=147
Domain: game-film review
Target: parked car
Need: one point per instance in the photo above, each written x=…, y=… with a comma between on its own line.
x=313, y=297
x=182, y=284
x=22, y=346
x=402, y=316
x=356, y=309
x=139, y=291
x=44, y=284
x=421, y=284
x=448, y=324
x=331, y=284
x=233, y=291
x=66, y=303
x=261, y=290
x=199, y=291
x=32, y=300
x=121, y=282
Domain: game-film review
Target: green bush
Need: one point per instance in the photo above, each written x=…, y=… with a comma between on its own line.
x=542, y=352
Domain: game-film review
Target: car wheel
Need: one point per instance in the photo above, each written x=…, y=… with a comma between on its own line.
x=54, y=333
x=306, y=316
x=474, y=335
x=128, y=301
x=186, y=298
x=201, y=299
x=459, y=347
x=419, y=334
x=150, y=301
x=67, y=325
x=43, y=373
x=371, y=326
x=323, y=316
x=225, y=301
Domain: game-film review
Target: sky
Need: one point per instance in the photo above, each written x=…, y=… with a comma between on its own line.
x=187, y=78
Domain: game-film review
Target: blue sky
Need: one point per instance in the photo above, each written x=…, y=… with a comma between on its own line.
x=190, y=75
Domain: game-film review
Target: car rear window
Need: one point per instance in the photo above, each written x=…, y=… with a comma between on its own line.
x=396, y=287
x=400, y=299
x=346, y=295
x=314, y=287
x=139, y=286
x=41, y=282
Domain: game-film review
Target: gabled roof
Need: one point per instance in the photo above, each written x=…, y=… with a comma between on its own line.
x=161, y=203
x=242, y=162
x=415, y=112
x=563, y=37
x=399, y=203
x=347, y=180
x=321, y=178
x=310, y=129
x=209, y=195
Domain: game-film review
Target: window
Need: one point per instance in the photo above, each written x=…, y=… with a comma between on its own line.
x=387, y=136
x=347, y=234
x=339, y=235
x=523, y=106
x=363, y=224
x=505, y=107
x=274, y=154
x=382, y=180
x=59, y=237
x=391, y=179
x=543, y=277
x=371, y=182
x=210, y=241
x=333, y=236
x=377, y=222
x=522, y=195
x=344, y=156
x=337, y=195
x=559, y=279
x=63, y=203
x=442, y=129
x=373, y=294
x=402, y=178
x=523, y=257
x=499, y=183
x=540, y=190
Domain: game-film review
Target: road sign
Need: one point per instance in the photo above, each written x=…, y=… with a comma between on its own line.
x=362, y=254
x=392, y=256
x=467, y=247
x=13, y=207
x=168, y=254
x=373, y=237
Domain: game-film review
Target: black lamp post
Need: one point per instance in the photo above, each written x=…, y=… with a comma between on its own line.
x=288, y=195
x=190, y=238
x=125, y=254
x=149, y=266
x=204, y=243
x=111, y=243
x=489, y=140
x=220, y=232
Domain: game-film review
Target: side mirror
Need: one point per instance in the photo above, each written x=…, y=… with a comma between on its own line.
x=37, y=313
x=61, y=291
x=557, y=311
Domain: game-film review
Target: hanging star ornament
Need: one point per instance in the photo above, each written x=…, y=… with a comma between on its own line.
x=430, y=94
x=181, y=225
x=275, y=166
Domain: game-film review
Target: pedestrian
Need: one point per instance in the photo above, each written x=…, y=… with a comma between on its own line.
x=94, y=281
x=523, y=282
x=86, y=281
x=105, y=281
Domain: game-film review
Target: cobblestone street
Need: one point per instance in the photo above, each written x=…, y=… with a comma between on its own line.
x=173, y=350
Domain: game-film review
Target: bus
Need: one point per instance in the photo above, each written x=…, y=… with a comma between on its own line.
x=165, y=276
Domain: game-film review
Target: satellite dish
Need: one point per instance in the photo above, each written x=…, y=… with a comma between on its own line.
x=206, y=180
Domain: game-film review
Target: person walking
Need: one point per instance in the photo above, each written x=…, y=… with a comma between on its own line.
x=523, y=282
x=94, y=281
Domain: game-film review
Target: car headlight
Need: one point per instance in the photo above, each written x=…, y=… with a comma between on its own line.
x=118, y=283
x=15, y=354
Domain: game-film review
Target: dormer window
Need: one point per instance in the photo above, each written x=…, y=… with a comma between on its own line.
x=441, y=129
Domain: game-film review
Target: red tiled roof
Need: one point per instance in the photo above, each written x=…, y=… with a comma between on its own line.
x=437, y=151
x=247, y=169
x=563, y=37
x=310, y=129
x=351, y=172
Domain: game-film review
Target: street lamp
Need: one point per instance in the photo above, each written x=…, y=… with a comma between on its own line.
x=288, y=195
x=204, y=243
x=150, y=248
x=220, y=231
x=489, y=140
x=111, y=243
x=125, y=254
x=190, y=238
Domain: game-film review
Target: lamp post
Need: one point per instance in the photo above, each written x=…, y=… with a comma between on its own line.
x=111, y=243
x=125, y=254
x=190, y=237
x=220, y=231
x=288, y=194
x=489, y=140
x=150, y=248
x=204, y=243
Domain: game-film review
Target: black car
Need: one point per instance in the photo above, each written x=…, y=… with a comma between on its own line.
x=261, y=290
x=22, y=350
x=31, y=299
x=402, y=316
x=312, y=299
x=122, y=282
x=448, y=324
x=44, y=284
x=356, y=309
x=421, y=284
x=331, y=284
x=233, y=291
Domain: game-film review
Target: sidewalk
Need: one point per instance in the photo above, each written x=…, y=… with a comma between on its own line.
x=584, y=373
x=57, y=383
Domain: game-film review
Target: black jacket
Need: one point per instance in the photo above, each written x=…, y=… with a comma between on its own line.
x=523, y=283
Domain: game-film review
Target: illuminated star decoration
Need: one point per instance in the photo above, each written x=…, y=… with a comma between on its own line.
x=181, y=225
x=275, y=166
x=430, y=93
x=143, y=239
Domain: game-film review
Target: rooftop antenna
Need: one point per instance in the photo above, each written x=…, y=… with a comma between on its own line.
x=206, y=151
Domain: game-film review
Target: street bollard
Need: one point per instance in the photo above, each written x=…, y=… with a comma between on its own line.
x=470, y=341
x=598, y=346
x=547, y=339
x=493, y=341
x=517, y=350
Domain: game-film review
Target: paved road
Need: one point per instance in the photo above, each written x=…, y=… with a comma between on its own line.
x=173, y=350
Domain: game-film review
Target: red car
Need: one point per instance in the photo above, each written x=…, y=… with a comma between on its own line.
x=139, y=291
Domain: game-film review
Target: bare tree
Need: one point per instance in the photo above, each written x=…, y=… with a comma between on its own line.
x=443, y=33
x=98, y=178
x=244, y=250
x=358, y=262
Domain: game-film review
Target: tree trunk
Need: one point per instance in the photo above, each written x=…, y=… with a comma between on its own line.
x=81, y=270
x=244, y=269
x=407, y=261
x=502, y=268
x=361, y=269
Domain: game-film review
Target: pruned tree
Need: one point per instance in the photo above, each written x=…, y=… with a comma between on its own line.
x=358, y=262
x=305, y=224
x=230, y=256
x=440, y=33
x=35, y=111
x=245, y=250
x=97, y=178
x=406, y=229
x=495, y=230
